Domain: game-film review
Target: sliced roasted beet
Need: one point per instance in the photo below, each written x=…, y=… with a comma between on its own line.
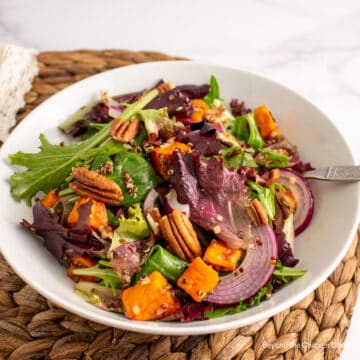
x=194, y=91
x=177, y=104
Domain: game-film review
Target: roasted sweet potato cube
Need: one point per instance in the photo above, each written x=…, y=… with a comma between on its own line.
x=98, y=215
x=163, y=155
x=266, y=123
x=151, y=298
x=50, y=199
x=198, y=279
x=221, y=257
x=200, y=107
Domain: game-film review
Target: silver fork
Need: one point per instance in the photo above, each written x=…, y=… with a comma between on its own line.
x=334, y=173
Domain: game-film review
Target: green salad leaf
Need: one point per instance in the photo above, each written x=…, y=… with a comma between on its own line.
x=237, y=157
x=140, y=137
x=273, y=159
x=238, y=127
x=92, y=129
x=108, y=276
x=266, y=195
x=113, y=220
x=99, y=295
x=142, y=174
x=132, y=228
x=48, y=168
x=166, y=263
x=214, y=92
x=283, y=273
x=78, y=115
x=99, y=161
x=244, y=128
x=228, y=310
x=156, y=119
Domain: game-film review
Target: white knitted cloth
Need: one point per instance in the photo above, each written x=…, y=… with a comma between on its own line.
x=18, y=67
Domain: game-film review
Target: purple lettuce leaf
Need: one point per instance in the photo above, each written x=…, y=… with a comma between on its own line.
x=97, y=114
x=238, y=108
x=285, y=252
x=216, y=195
x=62, y=242
x=195, y=311
x=297, y=165
x=128, y=258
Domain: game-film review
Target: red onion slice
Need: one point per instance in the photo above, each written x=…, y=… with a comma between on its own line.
x=115, y=111
x=253, y=273
x=150, y=200
x=301, y=191
x=173, y=203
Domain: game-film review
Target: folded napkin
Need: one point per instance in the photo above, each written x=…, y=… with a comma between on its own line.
x=18, y=67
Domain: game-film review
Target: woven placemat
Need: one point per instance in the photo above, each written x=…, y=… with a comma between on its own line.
x=33, y=328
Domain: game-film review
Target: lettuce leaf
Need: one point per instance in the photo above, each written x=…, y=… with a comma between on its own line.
x=266, y=195
x=107, y=275
x=273, y=159
x=132, y=228
x=214, y=92
x=244, y=128
x=101, y=296
x=48, y=168
x=154, y=120
x=161, y=260
x=78, y=115
x=284, y=272
x=237, y=157
x=216, y=195
x=142, y=174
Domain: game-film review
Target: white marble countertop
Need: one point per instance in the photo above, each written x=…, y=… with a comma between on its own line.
x=313, y=47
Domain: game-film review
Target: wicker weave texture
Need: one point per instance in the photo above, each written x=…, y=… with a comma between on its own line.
x=33, y=328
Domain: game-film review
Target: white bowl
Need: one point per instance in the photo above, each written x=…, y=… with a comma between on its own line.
x=320, y=248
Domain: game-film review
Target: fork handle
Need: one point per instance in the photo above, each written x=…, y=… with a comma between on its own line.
x=335, y=173
x=344, y=173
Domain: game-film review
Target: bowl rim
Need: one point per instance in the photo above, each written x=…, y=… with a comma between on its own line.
x=197, y=327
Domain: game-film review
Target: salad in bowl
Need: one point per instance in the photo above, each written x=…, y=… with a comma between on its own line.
x=169, y=203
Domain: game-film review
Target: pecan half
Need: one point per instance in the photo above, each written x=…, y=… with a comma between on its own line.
x=286, y=201
x=178, y=231
x=153, y=217
x=216, y=115
x=257, y=212
x=274, y=177
x=92, y=184
x=227, y=139
x=124, y=131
